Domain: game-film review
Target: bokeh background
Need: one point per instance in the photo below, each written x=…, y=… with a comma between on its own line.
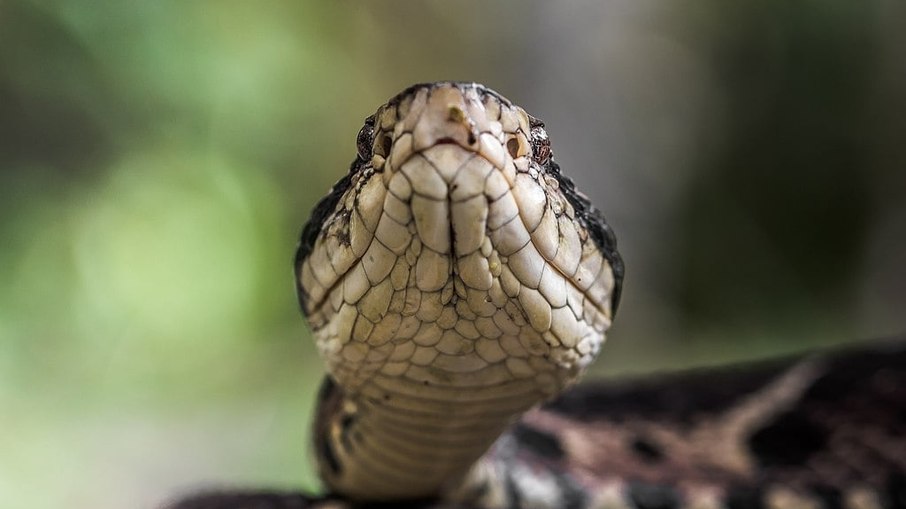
x=157, y=161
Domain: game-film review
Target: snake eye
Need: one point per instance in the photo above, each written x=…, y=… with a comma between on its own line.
x=541, y=145
x=363, y=141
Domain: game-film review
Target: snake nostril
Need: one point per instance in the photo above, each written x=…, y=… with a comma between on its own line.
x=512, y=146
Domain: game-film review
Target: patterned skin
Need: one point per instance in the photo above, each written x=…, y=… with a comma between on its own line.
x=823, y=431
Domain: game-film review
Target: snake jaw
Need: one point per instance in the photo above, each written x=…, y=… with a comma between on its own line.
x=456, y=278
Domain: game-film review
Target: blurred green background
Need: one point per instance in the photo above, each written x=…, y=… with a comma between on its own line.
x=158, y=159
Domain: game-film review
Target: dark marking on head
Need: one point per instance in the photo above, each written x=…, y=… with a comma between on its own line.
x=597, y=227
x=315, y=224
x=539, y=442
x=790, y=439
x=647, y=450
x=653, y=496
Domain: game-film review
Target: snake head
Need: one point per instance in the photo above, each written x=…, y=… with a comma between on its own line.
x=455, y=233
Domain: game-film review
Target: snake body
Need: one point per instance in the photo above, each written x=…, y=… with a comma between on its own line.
x=453, y=279
x=822, y=431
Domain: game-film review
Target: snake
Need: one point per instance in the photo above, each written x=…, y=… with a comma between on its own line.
x=453, y=279
x=458, y=285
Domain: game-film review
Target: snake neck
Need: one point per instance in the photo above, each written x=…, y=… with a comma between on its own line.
x=383, y=445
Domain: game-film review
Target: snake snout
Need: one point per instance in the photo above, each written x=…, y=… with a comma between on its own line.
x=450, y=116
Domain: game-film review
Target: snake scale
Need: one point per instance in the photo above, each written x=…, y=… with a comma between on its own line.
x=454, y=279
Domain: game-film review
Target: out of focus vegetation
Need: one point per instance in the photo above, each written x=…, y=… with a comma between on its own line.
x=157, y=160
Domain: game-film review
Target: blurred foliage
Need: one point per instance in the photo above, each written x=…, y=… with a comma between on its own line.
x=157, y=160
